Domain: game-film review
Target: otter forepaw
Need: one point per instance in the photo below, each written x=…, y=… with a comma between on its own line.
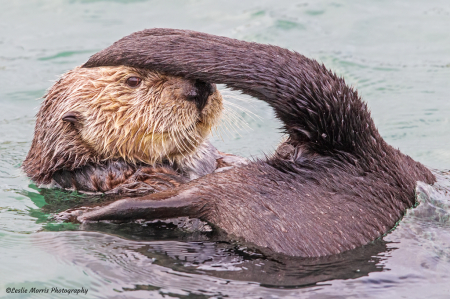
x=73, y=215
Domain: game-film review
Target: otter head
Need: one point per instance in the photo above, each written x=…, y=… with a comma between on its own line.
x=95, y=114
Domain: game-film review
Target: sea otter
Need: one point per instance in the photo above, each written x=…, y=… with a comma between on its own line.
x=332, y=186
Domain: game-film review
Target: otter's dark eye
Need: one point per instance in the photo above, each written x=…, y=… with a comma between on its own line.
x=134, y=81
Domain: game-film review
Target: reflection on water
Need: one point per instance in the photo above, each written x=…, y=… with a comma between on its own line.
x=136, y=260
x=394, y=52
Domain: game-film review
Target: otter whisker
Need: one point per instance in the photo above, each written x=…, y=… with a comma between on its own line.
x=191, y=134
x=180, y=143
x=181, y=135
x=252, y=115
x=230, y=106
x=226, y=127
x=235, y=119
x=182, y=138
x=174, y=139
x=232, y=122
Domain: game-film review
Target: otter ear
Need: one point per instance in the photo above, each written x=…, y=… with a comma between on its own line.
x=71, y=117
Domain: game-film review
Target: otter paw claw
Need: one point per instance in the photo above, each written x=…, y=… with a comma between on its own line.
x=70, y=215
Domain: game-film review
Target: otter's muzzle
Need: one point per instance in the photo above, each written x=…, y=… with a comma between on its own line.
x=200, y=92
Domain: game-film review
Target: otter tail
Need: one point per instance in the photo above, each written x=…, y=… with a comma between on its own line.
x=317, y=108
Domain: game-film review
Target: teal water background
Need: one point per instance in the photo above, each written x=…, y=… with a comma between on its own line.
x=396, y=53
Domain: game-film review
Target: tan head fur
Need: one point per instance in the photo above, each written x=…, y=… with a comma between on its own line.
x=149, y=123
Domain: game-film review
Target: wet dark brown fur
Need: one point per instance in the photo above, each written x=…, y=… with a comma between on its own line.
x=334, y=185
x=118, y=177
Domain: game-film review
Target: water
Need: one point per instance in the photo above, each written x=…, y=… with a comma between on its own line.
x=396, y=53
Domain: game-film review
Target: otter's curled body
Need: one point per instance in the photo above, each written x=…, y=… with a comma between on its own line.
x=335, y=184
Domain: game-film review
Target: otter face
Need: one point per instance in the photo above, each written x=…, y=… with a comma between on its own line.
x=95, y=114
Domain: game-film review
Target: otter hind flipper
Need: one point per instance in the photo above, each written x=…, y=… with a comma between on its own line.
x=161, y=205
x=317, y=108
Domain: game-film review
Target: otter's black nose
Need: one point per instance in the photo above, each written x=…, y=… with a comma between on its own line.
x=200, y=92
